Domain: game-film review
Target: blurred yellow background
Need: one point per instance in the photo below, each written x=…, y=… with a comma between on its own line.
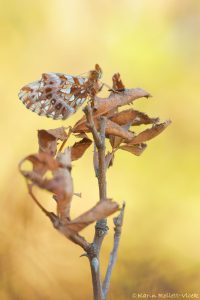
x=154, y=45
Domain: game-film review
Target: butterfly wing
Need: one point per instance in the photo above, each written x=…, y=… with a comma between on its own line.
x=56, y=95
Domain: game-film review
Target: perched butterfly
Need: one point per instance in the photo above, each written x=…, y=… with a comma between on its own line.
x=58, y=95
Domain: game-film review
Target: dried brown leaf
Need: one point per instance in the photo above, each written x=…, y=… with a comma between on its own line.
x=47, y=139
x=64, y=188
x=60, y=183
x=81, y=135
x=58, y=133
x=101, y=210
x=115, y=141
x=149, y=133
x=103, y=106
x=41, y=162
x=79, y=148
x=116, y=130
x=134, y=149
x=111, y=129
x=132, y=117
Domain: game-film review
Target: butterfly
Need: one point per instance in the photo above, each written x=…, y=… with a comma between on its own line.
x=58, y=95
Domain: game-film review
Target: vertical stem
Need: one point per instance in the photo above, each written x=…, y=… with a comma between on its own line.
x=102, y=164
x=118, y=222
x=101, y=225
x=96, y=282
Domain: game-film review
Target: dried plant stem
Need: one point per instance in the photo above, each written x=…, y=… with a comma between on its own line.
x=101, y=225
x=102, y=164
x=30, y=191
x=118, y=222
x=65, y=141
x=75, y=238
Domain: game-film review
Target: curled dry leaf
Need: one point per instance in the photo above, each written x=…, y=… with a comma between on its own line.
x=47, y=139
x=58, y=133
x=41, y=162
x=116, y=130
x=111, y=129
x=103, y=106
x=81, y=135
x=64, y=192
x=79, y=148
x=115, y=141
x=60, y=183
x=100, y=211
x=134, y=149
x=132, y=117
x=149, y=133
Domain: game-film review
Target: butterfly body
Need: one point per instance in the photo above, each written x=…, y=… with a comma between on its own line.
x=59, y=95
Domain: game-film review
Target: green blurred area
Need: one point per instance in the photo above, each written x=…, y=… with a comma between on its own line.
x=154, y=45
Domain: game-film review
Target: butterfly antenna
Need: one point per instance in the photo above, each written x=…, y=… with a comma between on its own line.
x=82, y=74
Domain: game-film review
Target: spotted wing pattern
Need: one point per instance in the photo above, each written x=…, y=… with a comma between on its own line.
x=56, y=95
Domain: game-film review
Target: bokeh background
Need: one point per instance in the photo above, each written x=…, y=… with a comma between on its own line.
x=154, y=45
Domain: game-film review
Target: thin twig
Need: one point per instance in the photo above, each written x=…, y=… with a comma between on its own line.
x=118, y=222
x=96, y=161
x=102, y=163
x=88, y=112
x=65, y=141
x=30, y=191
x=74, y=237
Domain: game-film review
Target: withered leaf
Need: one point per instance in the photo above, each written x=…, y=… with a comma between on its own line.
x=60, y=183
x=111, y=129
x=103, y=106
x=81, y=135
x=134, y=149
x=116, y=130
x=47, y=139
x=63, y=185
x=149, y=133
x=132, y=117
x=41, y=162
x=59, y=133
x=101, y=210
x=115, y=141
x=79, y=148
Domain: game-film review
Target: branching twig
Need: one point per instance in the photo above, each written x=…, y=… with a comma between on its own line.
x=88, y=112
x=118, y=222
x=30, y=191
x=65, y=141
x=74, y=237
